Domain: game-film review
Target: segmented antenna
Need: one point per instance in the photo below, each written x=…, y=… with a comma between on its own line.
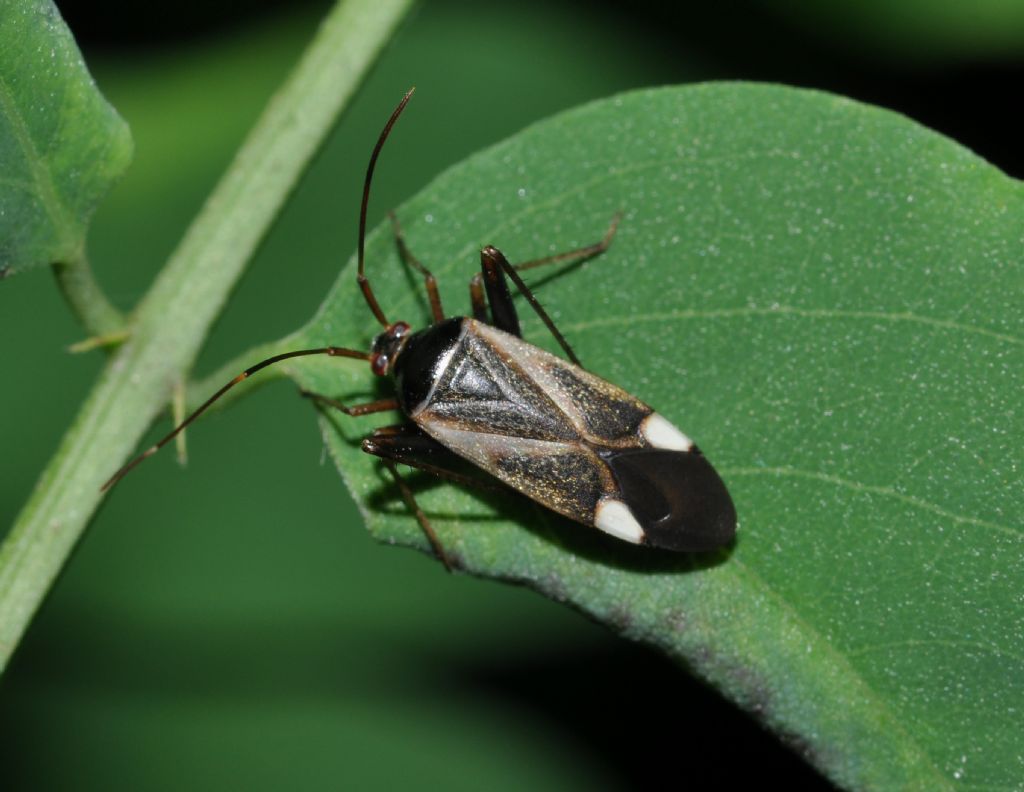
x=333, y=351
x=364, y=283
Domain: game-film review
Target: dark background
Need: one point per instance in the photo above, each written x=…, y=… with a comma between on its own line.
x=232, y=622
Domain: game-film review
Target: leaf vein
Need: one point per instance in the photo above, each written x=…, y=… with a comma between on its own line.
x=40, y=178
x=786, y=310
x=875, y=489
x=914, y=642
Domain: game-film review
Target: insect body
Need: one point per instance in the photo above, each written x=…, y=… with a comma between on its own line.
x=473, y=390
x=556, y=433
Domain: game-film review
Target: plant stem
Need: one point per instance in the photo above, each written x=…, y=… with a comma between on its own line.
x=176, y=314
x=97, y=314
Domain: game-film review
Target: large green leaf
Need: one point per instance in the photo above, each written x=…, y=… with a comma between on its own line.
x=828, y=297
x=61, y=144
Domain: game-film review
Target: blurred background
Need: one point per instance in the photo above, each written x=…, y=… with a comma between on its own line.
x=232, y=622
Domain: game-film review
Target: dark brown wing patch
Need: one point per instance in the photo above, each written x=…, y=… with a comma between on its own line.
x=676, y=496
x=604, y=412
x=570, y=482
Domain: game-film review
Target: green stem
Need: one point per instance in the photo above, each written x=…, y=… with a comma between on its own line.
x=176, y=314
x=97, y=314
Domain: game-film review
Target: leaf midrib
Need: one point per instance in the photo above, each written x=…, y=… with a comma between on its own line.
x=46, y=191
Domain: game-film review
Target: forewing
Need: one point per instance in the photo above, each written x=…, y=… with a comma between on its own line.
x=575, y=443
x=676, y=497
x=600, y=413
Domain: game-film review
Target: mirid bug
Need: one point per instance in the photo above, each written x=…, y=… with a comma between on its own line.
x=473, y=390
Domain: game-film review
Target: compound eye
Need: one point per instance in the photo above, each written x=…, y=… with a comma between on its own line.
x=379, y=365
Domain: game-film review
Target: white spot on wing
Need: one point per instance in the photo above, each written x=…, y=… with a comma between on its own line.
x=614, y=517
x=660, y=433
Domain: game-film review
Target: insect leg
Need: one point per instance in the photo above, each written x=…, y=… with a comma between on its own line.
x=428, y=278
x=577, y=254
x=479, y=302
x=381, y=405
x=494, y=266
x=428, y=529
x=498, y=297
x=407, y=445
x=494, y=263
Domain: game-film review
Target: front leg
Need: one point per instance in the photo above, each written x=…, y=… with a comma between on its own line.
x=429, y=281
x=398, y=444
x=408, y=445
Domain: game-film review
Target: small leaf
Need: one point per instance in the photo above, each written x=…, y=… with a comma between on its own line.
x=828, y=298
x=61, y=144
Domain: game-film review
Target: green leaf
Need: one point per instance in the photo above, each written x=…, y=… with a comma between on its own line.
x=828, y=297
x=61, y=144
x=173, y=319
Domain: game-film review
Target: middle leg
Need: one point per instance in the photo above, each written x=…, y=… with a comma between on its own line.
x=490, y=288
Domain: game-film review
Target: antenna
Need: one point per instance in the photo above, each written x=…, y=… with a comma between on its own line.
x=332, y=351
x=364, y=282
